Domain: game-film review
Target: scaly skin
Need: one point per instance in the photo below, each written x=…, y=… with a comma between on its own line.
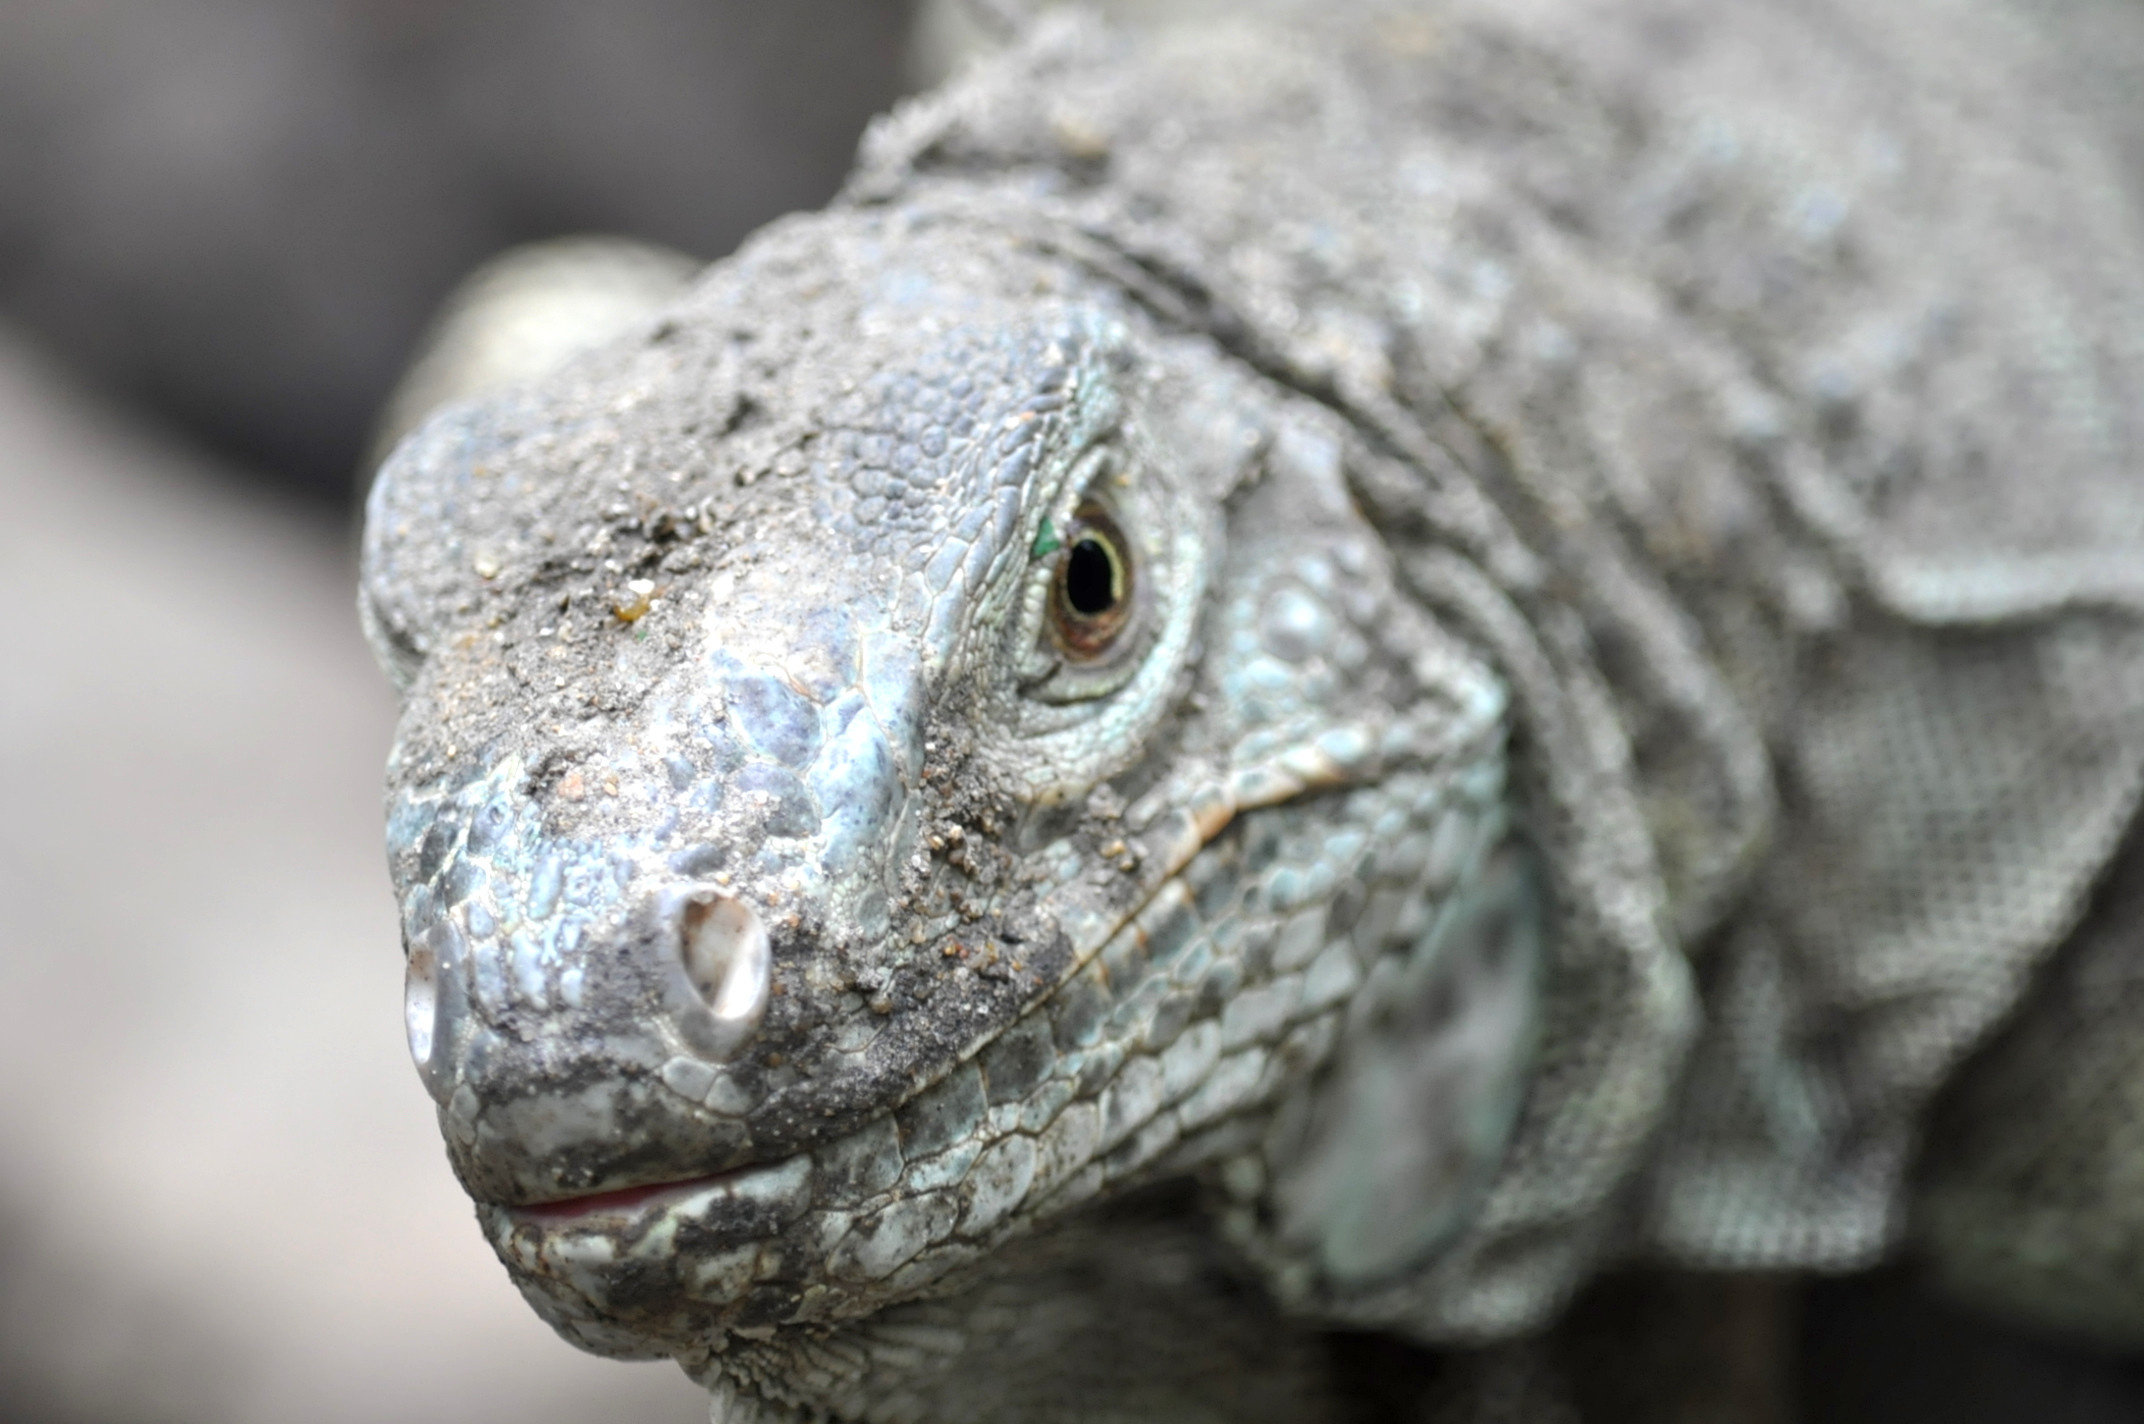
x=834, y=975
x=1013, y=969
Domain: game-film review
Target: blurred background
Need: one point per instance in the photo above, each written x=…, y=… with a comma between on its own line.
x=223, y=227
x=238, y=214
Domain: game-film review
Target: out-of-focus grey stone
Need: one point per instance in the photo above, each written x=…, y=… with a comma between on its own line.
x=242, y=212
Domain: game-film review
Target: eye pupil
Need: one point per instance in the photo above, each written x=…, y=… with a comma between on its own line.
x=1090, y=578
x=1093, y=594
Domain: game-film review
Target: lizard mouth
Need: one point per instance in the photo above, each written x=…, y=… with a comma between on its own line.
x=619, y=1201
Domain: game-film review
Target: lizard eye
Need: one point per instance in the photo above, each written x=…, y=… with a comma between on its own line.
x=1097, y=594
x=1091, y=592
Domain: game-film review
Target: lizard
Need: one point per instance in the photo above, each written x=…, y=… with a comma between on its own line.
x=1303, y=669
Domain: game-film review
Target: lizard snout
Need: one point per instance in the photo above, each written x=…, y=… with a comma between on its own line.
x=636, y=1072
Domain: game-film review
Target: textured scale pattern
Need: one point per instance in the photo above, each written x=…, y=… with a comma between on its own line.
x=1632, y=664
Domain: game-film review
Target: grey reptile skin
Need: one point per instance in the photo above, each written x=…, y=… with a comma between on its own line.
x=1305, y=668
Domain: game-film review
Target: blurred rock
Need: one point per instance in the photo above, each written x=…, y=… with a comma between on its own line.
x=222, y=1196
x=242, y=212
x=525, y=313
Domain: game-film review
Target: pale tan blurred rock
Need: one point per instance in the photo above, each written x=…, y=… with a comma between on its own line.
x=222, y=1195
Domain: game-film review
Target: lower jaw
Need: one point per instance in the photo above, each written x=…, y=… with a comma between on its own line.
x=661, y=1267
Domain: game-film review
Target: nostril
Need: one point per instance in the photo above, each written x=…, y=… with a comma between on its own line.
x=420, y=1003
x=723, y=946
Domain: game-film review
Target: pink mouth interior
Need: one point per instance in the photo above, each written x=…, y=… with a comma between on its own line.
x=618, y=1203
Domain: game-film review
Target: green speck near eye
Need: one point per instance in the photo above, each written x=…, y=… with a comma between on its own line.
x=1046, y=542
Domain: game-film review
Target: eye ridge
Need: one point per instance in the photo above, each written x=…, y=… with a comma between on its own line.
x=1092, y=595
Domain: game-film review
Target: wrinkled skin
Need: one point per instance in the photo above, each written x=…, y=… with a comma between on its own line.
x=872, y=952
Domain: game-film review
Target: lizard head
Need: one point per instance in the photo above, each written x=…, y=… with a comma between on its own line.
x=898, y=747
